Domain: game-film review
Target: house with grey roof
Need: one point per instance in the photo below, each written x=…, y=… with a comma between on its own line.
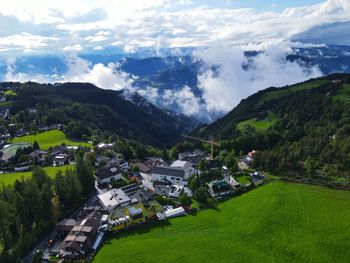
x=174, y=175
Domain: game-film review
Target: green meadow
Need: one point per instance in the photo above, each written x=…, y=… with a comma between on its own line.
x=49, y=139
x=10, y=178
x=11, y=150
x=259, y=124
x=343, y=94
x=277, y=222
x=284, y=92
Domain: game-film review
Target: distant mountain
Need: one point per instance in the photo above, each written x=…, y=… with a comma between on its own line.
x=160, y=79
x=86, y=109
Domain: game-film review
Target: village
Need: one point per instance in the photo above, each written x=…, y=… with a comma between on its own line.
x=128, y=192
x=133, y=192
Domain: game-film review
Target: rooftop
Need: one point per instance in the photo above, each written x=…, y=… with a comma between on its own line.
x=113, y=198
x=170, y=171
x=182, y=164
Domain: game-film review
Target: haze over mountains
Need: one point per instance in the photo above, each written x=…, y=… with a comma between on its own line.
x=202, y=86
x=196, y=58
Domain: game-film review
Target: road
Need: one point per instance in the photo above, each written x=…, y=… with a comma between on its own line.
x=74, y=215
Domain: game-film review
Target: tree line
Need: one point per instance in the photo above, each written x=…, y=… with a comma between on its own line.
x=30, y=208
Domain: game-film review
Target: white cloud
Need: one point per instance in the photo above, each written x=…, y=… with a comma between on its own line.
x=188, y=103
x=235, y=76
x=105, y=77
x=83, y=22
x=79, y=70
x=75, y=48
x=25, y=41
x=178, y=31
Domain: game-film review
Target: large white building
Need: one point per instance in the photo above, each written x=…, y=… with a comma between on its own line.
x=114, y=198
x=186, y=166
x=174, y=175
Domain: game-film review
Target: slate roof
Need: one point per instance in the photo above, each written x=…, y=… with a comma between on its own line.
x=169, y=171
x=106, y=172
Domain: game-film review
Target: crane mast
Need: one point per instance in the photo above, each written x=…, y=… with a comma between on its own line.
x=211, y=142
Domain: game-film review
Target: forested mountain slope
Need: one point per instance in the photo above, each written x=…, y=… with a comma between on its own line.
x=86, y=110
x=301, y=130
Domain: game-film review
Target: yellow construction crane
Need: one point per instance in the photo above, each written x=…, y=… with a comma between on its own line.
x=212, y=143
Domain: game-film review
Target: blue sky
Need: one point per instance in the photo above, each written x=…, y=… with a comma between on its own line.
x=90, y=26
x=258, y=5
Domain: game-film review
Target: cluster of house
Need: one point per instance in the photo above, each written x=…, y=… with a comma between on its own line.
x=117, y=209
x=80, y=237
x=56, y=156
x=120, y=208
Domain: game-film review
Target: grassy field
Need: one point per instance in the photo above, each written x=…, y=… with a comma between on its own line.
x=10, y=93
x=7, y=104
x=343, y=93
x=49, y=139
x=10, y=178
x=243, y=179
x=283, y=92
x=11, y=150
x=278, y=222
x=259, y=124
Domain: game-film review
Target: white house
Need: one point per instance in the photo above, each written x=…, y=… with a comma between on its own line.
x=173, y=175
x=186, y=166
x=60, y=160
x=114, y=198
x=116, y=162
x=107, y=175
x=175, y=191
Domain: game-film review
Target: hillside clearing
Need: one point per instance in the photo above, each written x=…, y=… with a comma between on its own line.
x=49, y=139
x=10, y=178
x=343, y=94
x=275, y=94
x=10, y=93
x=259, y=124
x=10, y=150
x=278, y=222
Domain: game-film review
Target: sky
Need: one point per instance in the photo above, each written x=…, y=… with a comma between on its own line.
x=216, y=32
x=86, y=26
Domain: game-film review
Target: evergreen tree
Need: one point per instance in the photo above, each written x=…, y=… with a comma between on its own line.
x=40, y=176
x=85, y=175
x=201, y=195
x=6, y=219
x=36, y=146
x=185, y=199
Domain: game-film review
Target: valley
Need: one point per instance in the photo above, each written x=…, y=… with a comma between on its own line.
x=175, y=131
